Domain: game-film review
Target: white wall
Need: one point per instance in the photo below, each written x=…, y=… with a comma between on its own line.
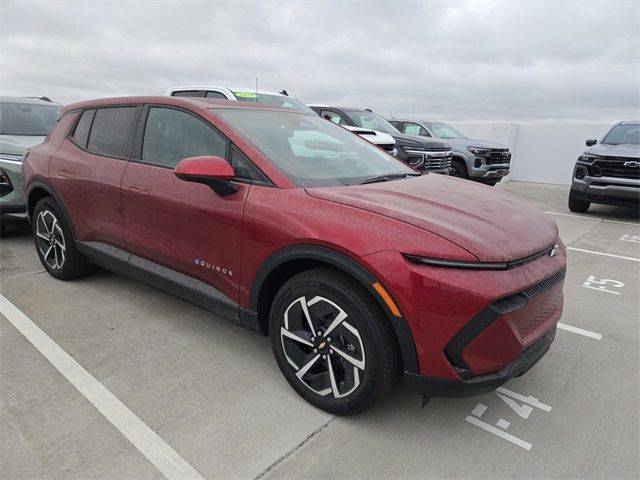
x=542, y=153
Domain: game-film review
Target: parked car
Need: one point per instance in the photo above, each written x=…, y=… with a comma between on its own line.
x=479, y=160
x=263, y=97
x=358, y=267
x=419, y=152
x=24, y=122
x=608, y=171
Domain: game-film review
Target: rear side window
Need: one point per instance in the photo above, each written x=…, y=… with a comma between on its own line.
x=110, y=131
x=81, y=132
x=171, y=135
x=216, y=95
x=187, y=93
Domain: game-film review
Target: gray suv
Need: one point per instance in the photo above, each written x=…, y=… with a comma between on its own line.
x=608, y=171
x=479, y=160
x=24, y=123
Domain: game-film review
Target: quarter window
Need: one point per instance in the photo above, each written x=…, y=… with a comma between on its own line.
x=171, y=135
x=110, y=131
x=81, y=132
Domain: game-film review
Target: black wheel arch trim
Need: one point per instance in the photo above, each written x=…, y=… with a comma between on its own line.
x=38, y=183
x=351, y=267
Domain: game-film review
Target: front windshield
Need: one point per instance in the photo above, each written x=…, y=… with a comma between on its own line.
x=311, y=151
x=442, y=130
x=372, y=121
x=281, y=101
x=27, y=118
x=628, y=133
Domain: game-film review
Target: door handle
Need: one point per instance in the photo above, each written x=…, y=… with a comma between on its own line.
x=138, y=190
x=66, y=174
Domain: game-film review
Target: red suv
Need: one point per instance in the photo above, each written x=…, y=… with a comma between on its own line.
x=358, y=267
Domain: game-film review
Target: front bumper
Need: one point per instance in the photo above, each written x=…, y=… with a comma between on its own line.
x=472, y=329
x=12, y=203
x=607, y=190
x=481, y=384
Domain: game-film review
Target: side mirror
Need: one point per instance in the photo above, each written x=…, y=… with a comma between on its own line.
x=591, y=142
x=212, y=171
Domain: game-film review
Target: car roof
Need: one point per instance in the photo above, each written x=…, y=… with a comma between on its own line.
x=199, y=102
x=28, y=100
x=220, y=87
x=629, y=122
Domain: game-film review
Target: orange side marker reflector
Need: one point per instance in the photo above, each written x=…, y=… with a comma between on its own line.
x=387, y=299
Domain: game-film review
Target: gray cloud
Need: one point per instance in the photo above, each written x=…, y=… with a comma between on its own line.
x=510, y=61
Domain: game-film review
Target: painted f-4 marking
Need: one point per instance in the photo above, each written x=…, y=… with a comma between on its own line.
x=523, y=411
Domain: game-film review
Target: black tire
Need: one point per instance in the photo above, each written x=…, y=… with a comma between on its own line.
x=3, y=229
x=458, y=169
x=492, y=183
x=576, y=205
x=373, y=346
x=63, y=261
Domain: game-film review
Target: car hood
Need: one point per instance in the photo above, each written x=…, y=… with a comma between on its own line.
x=472, y=142
x=405, y=140
x=492, y=225
x=623, y=150
x=378, y=138
x=18, y=144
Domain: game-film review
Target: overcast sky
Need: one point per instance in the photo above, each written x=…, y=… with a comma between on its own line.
x=453, y=60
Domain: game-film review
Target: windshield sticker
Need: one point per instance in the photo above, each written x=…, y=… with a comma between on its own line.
x=245, y=94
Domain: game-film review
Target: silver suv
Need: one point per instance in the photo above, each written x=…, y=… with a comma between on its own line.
x=479, y=160
x=24, y=123
x=608, y=171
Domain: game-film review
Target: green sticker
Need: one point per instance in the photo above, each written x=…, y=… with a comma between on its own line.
x=245, y=94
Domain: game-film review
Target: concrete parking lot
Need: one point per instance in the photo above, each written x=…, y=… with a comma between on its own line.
x=214, y=396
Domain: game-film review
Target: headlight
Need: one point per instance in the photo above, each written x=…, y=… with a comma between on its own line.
x=439, y=262
x=5, y=183
x=588, y=158
x=11, y=158
x=478, y=151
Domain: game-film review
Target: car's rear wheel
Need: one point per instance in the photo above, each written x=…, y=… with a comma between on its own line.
x=458, y=169
x=577, y=205
x=54, y=243
x=332, y=341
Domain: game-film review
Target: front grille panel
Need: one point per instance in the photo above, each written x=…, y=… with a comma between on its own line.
x=496, y=156
x=534, y=320
x=615, y=167
x=546, y=284
x=434, y=163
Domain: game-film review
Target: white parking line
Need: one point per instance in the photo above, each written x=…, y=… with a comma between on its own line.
x=593, y=252
x=155, y=449
x=579, y=331
x=583, y=217
x=498, y=432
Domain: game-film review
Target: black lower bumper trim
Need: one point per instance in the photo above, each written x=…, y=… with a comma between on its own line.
x=481, y=384
x=10, y=209
x=607, y=199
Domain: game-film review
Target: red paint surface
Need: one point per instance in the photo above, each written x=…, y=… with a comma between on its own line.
x=150, y=212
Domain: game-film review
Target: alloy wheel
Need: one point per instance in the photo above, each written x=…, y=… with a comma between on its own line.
x=50, y=240
x=323, y=347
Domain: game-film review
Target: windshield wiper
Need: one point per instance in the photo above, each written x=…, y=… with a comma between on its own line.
x=386, y=178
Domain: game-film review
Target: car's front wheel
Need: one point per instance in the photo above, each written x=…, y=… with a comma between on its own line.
x=332, y=341
x=576, y=205
x=458, y=169
x=54, y=243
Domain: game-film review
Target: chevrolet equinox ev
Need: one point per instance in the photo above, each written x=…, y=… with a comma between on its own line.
x=359, y=268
